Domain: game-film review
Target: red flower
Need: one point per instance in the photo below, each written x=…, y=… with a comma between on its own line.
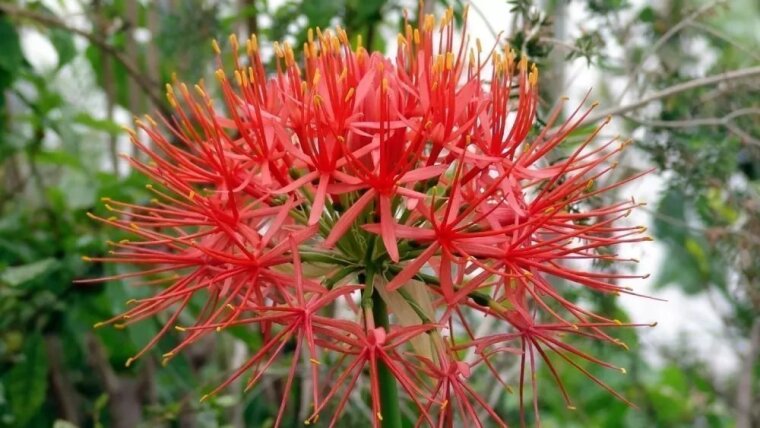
x=347, y=187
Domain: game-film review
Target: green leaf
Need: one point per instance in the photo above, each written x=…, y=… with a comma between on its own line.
x=104, y=125
x=77, y=189
x=12, y=58
x=58, y=158
x=18, y=275
x=27, y=381
x=64, y=44
x=647, y=15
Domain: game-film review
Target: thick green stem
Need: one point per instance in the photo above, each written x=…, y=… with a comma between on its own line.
x=391, y=413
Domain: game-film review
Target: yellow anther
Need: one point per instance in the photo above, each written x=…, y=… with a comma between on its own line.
x=571, y=407
x=524, y=63
x=342, y=36
x=219, y=73
x=449, y=60
x=478, y=45
x=98, y=324
x=180, y=329
x=129, y=362
x=129, y=131
x=317, y=77
x=416, y=36
x=215, y=47
x=172, y=103
x=533, y=76
x=428, y=24
x=400, y=39
x=289, y=55
x=379, y=416
x=200, y=91
x=315, y=361
x=349, y=95
x=623, y=370
x=204, y=398
x=234, y=42
x=86, y=259
x=278, y=50
x=252, y=45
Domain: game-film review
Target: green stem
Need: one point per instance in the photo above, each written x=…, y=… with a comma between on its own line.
x=391, y=413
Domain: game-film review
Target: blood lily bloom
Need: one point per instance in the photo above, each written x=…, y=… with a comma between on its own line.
x=365, y=214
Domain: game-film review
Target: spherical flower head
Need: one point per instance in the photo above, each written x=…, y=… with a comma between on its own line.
x=370, y=212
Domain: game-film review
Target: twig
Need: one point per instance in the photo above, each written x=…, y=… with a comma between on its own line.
x=662, y=40
x=673, y=221
x=65, y=394
x=724, y=37
x=742, y=73
x=147, y=85
x=726, y=121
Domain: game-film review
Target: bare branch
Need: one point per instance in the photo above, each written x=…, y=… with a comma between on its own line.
x=726, y=121
x=662, y=40
x=742, y=73
x=724, y=37
x=679, y=223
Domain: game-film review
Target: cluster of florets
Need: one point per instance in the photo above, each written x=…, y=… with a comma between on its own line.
x=366, y=212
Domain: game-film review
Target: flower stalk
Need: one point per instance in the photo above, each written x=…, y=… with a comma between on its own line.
x=389, y=400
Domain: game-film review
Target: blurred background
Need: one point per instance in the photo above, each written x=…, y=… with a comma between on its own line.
x=680, y=77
